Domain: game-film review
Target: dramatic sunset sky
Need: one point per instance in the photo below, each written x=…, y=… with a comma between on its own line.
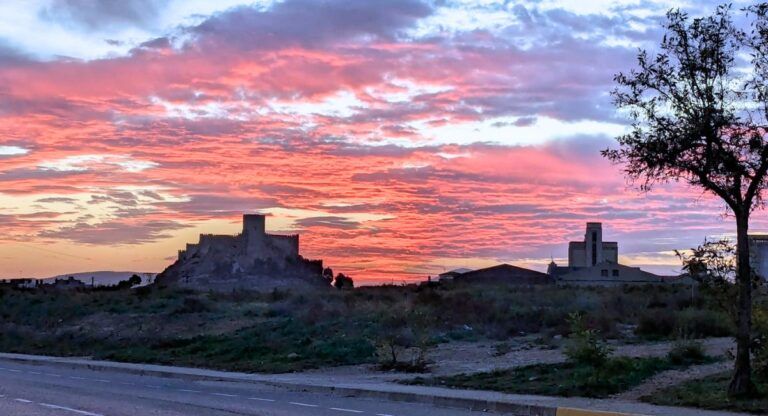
x=400, y=138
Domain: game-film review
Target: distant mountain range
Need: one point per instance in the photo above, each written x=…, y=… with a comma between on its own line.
x=103, y=278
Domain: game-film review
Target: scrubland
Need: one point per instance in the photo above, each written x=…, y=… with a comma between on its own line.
x=286, y=331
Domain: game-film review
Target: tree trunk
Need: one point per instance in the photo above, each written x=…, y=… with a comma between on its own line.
x=741, y=384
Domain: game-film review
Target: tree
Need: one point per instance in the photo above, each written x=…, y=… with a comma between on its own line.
x=699, y=118
x=712, y=263
x=343, y=282
x=134, y=280
x=585, y=346
x=129, y=282
x=393, y=335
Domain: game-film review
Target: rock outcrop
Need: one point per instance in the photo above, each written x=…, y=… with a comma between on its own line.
x=252, y=260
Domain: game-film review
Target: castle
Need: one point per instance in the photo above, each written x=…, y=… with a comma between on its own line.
x=252, y=260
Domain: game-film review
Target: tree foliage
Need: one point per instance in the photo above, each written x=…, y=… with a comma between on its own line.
x=343, y=281
x=692, y=112
x=713, y=263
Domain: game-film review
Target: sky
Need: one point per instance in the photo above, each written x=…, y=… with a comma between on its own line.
x=400, y=138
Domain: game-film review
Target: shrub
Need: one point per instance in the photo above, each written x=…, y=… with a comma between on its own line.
x=343, y=282
x=656, y=325
x=760, y=345
x=392, y=338
x=698, y=323
x=585, y=346
x=403, y=338
x=687, y=353
x=501, y=349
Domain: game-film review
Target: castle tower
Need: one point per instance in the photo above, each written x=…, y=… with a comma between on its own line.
x=593, y=240
x=254, y=224
x=254, y=232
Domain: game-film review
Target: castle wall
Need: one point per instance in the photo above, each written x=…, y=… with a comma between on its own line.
x=285, y=245
x=191, y=250
x=315, y=265
x=218, y=243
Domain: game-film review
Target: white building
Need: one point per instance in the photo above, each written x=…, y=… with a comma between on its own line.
x=596, y=262
x=758, y=254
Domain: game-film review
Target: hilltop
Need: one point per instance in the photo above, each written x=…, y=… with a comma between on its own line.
x=101, y=277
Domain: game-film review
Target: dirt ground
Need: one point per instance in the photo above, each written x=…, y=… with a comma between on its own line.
x=473, y=357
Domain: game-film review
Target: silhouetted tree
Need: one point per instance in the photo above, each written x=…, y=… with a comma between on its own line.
x=343, y=282
x=129, y=282
x=134, y=280
x=699, y=119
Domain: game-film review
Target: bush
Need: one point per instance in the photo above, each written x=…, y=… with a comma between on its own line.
x=585, y=346
x=343, y=282
x=698, y=323
x=402, y=341
x=560, y=379
x=656, y=325
x=710, y=393
x=501, y=349
x=689, y=323
x=687, y=353
x=617, y=375
x=760, y=345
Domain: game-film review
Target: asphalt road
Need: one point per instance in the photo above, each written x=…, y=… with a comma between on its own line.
x=45, y=390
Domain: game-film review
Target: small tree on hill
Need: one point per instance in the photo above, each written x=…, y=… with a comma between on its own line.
x=343, y=282
x=129, y=282
x=134, y=280
x=698, y=118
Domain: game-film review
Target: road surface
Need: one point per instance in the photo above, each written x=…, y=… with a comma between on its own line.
x=48, y=390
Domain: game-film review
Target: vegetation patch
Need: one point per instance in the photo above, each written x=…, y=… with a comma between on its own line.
x=283, y=330
x=564, y=379
x=711, y=393
x=589, y=372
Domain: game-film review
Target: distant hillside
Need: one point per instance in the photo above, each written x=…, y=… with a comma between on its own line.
x=103, y=278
